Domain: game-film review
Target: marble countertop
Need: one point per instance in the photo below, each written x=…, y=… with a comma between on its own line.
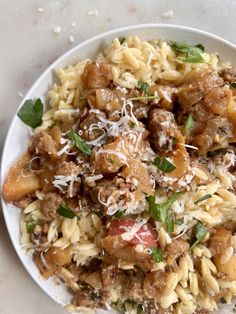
x=33, y=33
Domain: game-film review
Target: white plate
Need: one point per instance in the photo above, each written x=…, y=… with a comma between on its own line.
x=16, y=141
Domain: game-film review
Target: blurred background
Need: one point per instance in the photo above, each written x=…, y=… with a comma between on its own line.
x=33, y=34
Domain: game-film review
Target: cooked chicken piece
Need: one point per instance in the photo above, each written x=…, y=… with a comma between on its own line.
x=217, y=99
x=108, y=100
x=228, y=75
x=220, y=240
x=89, y=127
x=51, y=261
x=218, y=130
x=47, y=146
x=96, y=75
x=197, y=84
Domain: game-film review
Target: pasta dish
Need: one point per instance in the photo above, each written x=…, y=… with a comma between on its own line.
x=127, y=188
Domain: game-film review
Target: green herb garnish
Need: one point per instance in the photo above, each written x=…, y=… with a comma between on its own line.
x=192, y=54
x=132, y=124
x=164, y=164
x=223, y=301
x=170, y=221
x=112, y=161
x=118, y=214
x=199, y=233
x=203, y=198
x=144, y=87
x=99, y=213
x=189, y=122
x=31, y=112
x=144, y=98
x=65, y=211
x=121, y=40
x=157, y=255
x=79, y=142
x=163, y=212
x=31, y=225
x=217, y=152
x=233, y=85
x=139, y=309
x=179, y=221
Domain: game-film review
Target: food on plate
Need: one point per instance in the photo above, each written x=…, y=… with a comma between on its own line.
x=128, y=185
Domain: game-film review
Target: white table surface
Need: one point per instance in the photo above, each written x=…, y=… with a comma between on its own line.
x=28, y=45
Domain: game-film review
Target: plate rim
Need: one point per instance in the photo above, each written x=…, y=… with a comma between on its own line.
x=79, y=46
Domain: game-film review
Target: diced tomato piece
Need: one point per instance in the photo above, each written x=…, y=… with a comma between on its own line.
x=146, y=235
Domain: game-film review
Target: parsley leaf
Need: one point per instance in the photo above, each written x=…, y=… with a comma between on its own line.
x=179, y=221
x=31, y=225
x=223, y=301
x=157, y=255
x=144, y=97
x=65, y=211
x=79, y=142
x=203, y=198
x=199, y=233
x=217, y=152
x=132, y=124
x=170, y=221
x=192, y=53
x=162, y=212
x=164, y=164
x=118, y=214
x=144, y=87
x=233, y=85
x=189, y=122
x=31, y=112
x=122, y=40
x=139, y=309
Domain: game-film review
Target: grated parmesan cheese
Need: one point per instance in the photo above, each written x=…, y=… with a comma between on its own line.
x=57, y=29
x=93, y=12
x=168, y=14
x=71, y=39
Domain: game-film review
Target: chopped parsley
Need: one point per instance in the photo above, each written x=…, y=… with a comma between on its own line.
x=144, y=98
x=164, y=164
x=139, y=309
x=118, y=214
x=132, y=124
x=122, y=40
x=233, y=85
x=191, y=54
x=218, y=151
x=179, y=221
x=65, y=211
x=144, y=87
x=199, y=233
x=189, y=123
x=112, y=161
x=157, y=255
x=170, y=221
x=163, y=212
x=223, y=301
x=31, y=112
x=79, y=142
x=31, y=225
x=99, y=213
x=203, y=198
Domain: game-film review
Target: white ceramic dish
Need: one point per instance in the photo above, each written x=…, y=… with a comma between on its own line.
x=16, y=141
